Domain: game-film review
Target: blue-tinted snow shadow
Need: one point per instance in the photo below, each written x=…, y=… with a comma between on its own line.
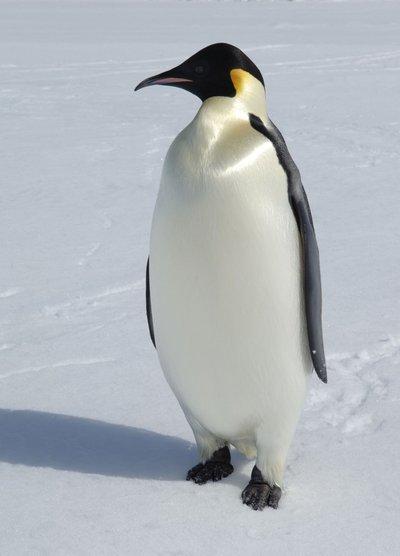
x=40, y=439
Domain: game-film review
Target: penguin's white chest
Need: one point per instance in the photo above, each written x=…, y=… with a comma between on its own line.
x=226, y=282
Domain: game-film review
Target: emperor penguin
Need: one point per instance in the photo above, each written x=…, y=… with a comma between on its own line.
x=233, y=287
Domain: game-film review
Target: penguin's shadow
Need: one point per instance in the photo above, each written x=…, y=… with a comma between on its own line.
x=39, y=439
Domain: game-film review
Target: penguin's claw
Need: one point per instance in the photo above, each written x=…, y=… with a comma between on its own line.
x=274, y=497
x=209, y=471
x=258, y=495
x=216, y=468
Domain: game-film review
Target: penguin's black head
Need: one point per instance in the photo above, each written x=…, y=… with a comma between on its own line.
x=216, y=70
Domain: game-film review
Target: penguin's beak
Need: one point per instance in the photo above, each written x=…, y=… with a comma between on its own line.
x=172, y=77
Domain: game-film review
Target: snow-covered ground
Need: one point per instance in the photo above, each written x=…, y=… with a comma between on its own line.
x=93, y=445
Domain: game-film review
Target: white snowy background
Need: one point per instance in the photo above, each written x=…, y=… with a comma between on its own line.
x=93, y=445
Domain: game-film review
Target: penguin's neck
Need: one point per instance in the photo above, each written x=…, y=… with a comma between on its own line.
x=218, y=113
x=250, y=93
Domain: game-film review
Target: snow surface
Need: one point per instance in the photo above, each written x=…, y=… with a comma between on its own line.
x=93, y=445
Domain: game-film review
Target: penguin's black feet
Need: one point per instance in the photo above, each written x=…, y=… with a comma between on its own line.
x=214, y=469
x=258, y=494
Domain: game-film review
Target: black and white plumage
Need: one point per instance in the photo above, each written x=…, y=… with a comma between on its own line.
x=233, y=280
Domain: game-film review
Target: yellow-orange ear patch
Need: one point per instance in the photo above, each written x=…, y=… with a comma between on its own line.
x=239, y=78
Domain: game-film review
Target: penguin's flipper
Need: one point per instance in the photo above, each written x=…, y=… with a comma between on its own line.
x=148, y=305
x=312, y=274
x=312, y=278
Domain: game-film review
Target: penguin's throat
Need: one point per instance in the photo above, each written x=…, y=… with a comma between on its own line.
x=222, y=117
x=249, y=99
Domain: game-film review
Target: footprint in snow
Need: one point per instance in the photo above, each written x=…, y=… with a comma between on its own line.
x=356, y=383
x=10, y=292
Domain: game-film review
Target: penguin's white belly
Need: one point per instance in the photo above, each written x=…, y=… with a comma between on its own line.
x=226, y=293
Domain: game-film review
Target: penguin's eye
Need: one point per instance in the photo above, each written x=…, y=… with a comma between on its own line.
x=201, y=68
